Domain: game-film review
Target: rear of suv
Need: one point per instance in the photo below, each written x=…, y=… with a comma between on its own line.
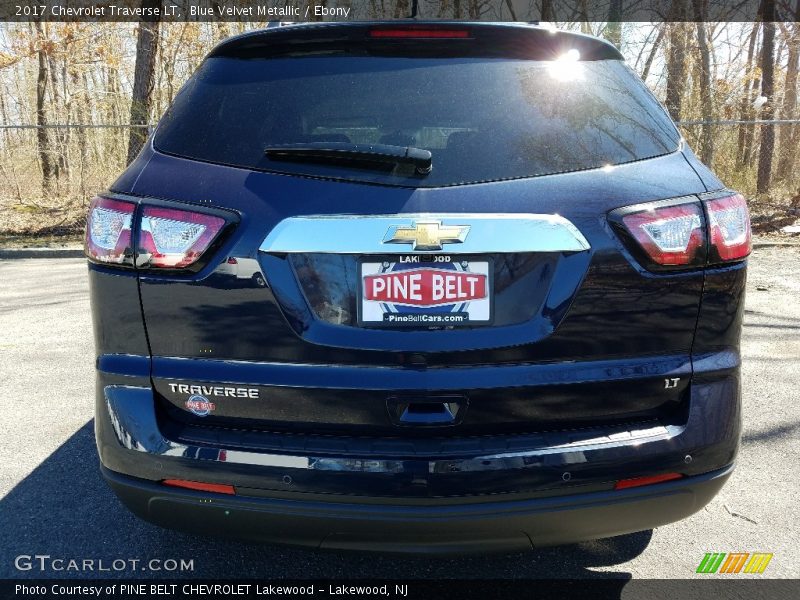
x=441, y=287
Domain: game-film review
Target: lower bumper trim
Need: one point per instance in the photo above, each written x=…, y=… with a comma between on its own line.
x=390, y=526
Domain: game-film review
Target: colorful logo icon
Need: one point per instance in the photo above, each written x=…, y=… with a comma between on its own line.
x=200, y=405
x=734, y=562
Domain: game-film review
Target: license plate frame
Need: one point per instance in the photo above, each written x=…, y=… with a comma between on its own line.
x=476, y=313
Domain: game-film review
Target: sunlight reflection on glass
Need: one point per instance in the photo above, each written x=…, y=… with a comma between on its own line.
x=567, y=67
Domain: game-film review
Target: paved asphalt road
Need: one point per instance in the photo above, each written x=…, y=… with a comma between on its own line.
x=53, y=501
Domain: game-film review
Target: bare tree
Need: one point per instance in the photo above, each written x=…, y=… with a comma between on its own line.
x=547, y=11
x=706, y=102
x=84, y=73
x=789, y=135
x=83, y=117
x=767, y=90
x=59, y=136
x=510, y=6
x=402, y=9
x=614, y=26
x=474, y=9
x=43, y=139
x=662, y=29
x=676, y=63
x=143, y=79
x=746, y=132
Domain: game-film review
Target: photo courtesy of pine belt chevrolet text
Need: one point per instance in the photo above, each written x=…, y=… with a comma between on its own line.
x=417, y=287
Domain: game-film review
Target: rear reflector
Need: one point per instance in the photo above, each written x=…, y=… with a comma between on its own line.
x=670, y=235
x=430, y=33
x=108, y=231
x=216, y=488
x=175, y=239
x=650, y=480
x=729, y=226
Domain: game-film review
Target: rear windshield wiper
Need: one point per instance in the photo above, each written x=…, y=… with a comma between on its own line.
x=377, y=156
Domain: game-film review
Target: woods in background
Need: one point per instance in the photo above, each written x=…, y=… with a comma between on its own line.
x=120, y=74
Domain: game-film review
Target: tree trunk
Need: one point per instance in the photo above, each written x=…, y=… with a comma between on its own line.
x=653, y=51
x=583, y=17
x=59, y=136
x=768, y=110
x=749, y=155
x=143, y=78
x=511, y=10
x=676, y=65
x=3, y=109
x=547, y=11
x=706, y=101
x=745, y=106
x=614, y=26
x=82, y=115
x=42, y=134
x=787, y=153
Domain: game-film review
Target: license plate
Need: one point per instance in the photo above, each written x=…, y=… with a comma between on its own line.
x=425, y=291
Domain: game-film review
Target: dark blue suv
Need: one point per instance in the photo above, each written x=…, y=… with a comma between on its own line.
x=417, y=287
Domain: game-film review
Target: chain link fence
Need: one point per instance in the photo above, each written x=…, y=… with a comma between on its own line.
x=86, y=158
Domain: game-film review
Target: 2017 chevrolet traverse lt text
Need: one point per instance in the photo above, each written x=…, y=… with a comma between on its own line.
x=417, y=287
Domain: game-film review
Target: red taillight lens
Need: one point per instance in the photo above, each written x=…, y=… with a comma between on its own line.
x=670, y=235
x=419, y=33
x=729, y=228
x=108, y=231
x=216, y=488
x=175, y=239
x=640, y=481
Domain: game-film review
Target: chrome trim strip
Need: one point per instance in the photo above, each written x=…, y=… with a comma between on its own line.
x=134, y=423
x=372, y=234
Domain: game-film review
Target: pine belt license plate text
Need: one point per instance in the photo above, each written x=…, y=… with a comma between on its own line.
x=425, y=291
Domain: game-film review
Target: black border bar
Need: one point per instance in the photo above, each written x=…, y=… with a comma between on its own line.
x=604, y=586
x=266, y=11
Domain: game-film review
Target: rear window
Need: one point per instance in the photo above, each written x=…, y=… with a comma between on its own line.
x=483, y=119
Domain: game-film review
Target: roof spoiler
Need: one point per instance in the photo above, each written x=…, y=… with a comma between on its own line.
x=493, y=40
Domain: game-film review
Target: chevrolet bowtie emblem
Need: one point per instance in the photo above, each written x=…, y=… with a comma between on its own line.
x=426, y=235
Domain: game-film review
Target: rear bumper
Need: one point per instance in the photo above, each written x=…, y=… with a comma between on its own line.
x=478, y=493
x=509, y=525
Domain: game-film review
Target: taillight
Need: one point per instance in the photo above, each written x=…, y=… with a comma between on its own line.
x=108, y=231
x=166, y=237
x=669, y=235
x=419, y=33
x=175, y=239
x=729, y=228
x=682, y=233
